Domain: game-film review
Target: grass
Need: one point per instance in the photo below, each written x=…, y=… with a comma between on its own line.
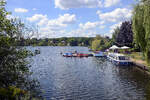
x=138, y=57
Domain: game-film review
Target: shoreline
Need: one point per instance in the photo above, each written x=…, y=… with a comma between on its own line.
x=142, y=67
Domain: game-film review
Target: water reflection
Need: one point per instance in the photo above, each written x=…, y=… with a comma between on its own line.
x=87, y=78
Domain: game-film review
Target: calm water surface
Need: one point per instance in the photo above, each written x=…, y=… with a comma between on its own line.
x=86, y=78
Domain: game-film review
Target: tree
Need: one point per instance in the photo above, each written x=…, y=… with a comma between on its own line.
x=115, y=34
x=95, y=44
x=100, y=43
x=141, y=27
x=14, y=69
x=124, y=35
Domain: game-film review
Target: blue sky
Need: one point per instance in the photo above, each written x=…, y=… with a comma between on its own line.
x=72, y=18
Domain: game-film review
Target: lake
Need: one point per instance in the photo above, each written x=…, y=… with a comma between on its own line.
x=86, y=78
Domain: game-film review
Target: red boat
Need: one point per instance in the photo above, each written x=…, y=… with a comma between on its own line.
x=82, y=55
x=75, y=55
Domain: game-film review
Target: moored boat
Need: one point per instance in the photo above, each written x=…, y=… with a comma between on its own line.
x=90, y=55
x=75, y=55
x=119, y=59
x=68, y=55
x=99, y=54
x=82, y=55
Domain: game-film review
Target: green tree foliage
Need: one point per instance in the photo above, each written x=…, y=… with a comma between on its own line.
x=115, y=34
x=14, y=69
x=141, y=27
x=101, y=43
x=96, y=44
x=123, y=35
x=64, y=41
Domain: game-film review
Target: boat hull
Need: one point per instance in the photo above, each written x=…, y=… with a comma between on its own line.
x=76, y=55
x=120, y=62
x=82, y=55
x=99, y=54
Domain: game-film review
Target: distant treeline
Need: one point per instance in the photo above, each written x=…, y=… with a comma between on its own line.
x=64, y=41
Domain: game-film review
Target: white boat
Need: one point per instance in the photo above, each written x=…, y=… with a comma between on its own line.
x=99, y=54
x=119, y=59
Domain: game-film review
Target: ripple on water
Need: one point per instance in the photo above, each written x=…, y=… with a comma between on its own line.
x=86, y=78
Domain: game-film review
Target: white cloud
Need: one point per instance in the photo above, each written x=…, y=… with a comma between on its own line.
x=43, y=21
x=82, y=33
x=66, y=4
x=102, y=26
x=21, y=10
x=90, y=25
x=34, y=9
x=109, y=3
x=114, y=27
x=36, y=17
x=61, y=21
x=58, y=27
x=52, y=27
x=67, y=19
x=116, y=15
x=88, y=29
